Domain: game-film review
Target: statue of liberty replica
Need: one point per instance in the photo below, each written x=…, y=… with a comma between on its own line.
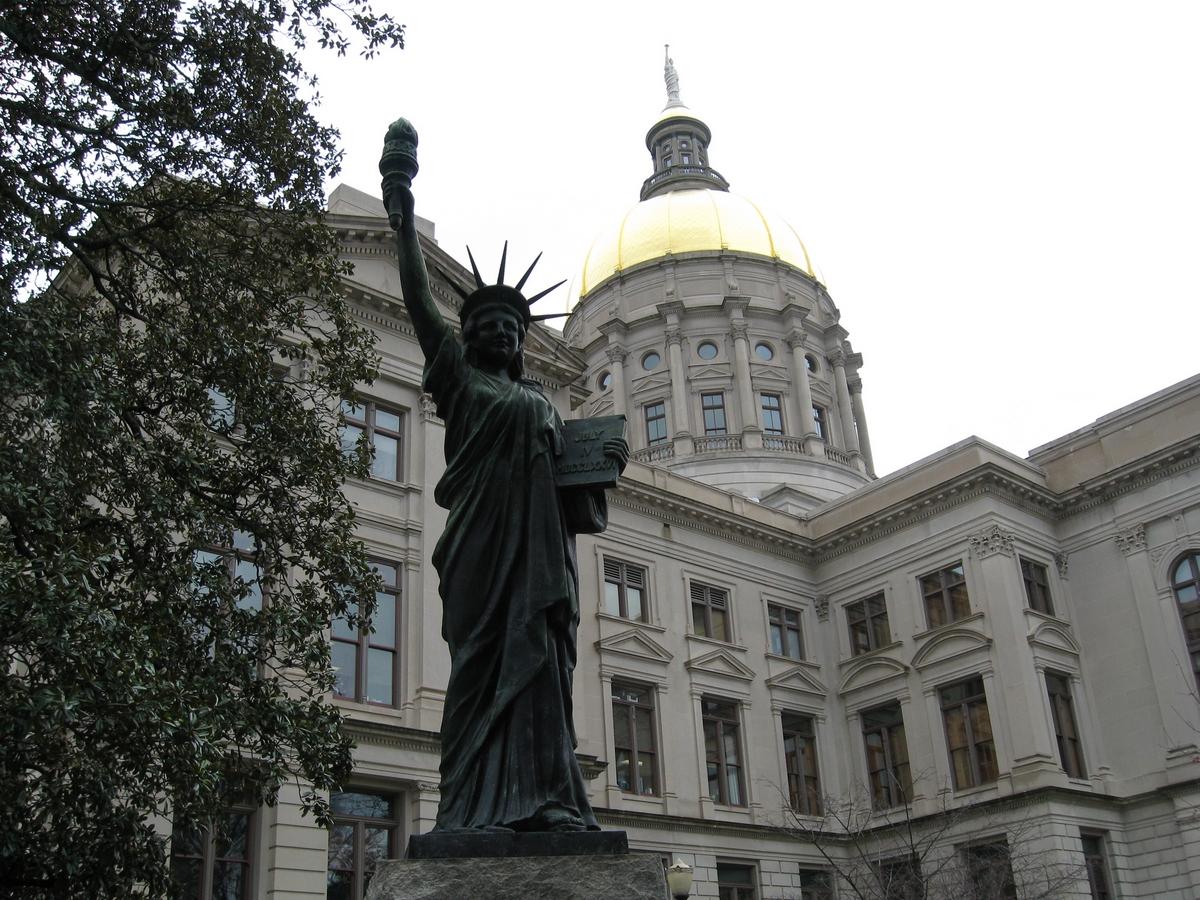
x=506, y=561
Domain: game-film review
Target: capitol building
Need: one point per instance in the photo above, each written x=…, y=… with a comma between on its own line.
x=973, y=677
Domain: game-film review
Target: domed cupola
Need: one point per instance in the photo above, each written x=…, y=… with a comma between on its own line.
x=702, y=321
x=678, y=144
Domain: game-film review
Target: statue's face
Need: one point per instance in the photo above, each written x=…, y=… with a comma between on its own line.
x=495, y=336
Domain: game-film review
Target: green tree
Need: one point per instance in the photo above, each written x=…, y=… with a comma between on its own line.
x=173, y=346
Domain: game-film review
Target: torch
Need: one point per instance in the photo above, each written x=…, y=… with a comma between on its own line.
x=398, y=165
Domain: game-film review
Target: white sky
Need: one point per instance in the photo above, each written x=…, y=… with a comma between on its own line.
x=1003, y=199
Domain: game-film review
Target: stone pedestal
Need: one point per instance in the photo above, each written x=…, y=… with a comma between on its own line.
x=564, y=866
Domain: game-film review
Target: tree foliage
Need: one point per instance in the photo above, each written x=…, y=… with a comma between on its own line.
x=173, y=346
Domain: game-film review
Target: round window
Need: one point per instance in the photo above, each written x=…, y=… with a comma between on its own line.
x=603, y=380
x=764, y=351
x=707, y=350
x=811, y=362
x=650, y=361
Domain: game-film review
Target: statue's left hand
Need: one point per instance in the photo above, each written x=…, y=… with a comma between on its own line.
x=618, y=449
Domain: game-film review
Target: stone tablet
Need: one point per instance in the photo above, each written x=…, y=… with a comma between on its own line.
x=583, y=463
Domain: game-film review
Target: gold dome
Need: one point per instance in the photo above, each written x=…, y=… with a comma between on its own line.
x=690, y=221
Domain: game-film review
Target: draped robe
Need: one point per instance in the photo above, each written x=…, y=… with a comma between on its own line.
x=510, y=601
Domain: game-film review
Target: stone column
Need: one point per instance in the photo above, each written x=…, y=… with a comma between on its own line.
x=813, y=444
x=750, y=428
x=706, y=802
x=845, y=413
x=680, y=412
x=616, y=358
x=860, y=418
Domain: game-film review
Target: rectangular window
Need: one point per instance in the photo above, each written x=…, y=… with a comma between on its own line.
x=887, y=756
x=382, y=429
x=784, y=625
x=710, y=612
x=968, y=733
x=241, y=562
x=364, y=833
x=624, y=590
x=945, y=595
x=634, y=739
x=722, y=750
x=1037, y=587
x=713, y=406
x=815, y=885
x=365, y=659
x=214, y=862
x=989, y=871
x=1070, y=750
x=1097, y=866
x=900, y=879
x=736, y=881
x=800, y=755
x=820, y=423
x=772, y=413
x=656, y=423
x=868, y=621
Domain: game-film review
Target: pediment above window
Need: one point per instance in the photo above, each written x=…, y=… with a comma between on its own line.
x=1051, y=636
x=799, y=679
x=947, y=644
x=635, y=644
x=723, y=663
x=865, y=671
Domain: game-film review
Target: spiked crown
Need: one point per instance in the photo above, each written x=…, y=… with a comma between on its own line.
x=500, y=294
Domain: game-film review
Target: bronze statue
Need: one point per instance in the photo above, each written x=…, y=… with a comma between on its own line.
x=509, y=582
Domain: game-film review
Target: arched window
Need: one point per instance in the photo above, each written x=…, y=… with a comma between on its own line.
x=1185, y=582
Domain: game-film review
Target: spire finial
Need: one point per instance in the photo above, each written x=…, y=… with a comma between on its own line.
x=672, y=79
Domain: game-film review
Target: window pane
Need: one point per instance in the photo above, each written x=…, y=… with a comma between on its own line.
x=345, y=659
x=645, y=773
x=230, y=840
x=621, y=732
x=384, y=620
x=633, y=598
x=793, y=644
x=624, y=779
x=357, y=803
x=339, y=886
x=341, y=847
x=341, y=628
x=247, y=572
x=350, y=411
x=720, y=631
x=733, y=778
x=388, y=420
x=699, y=626
x=645, y=729
x=387, y=455
x=350, y=438
x=377, y=848
x=776, y=639
x=229, y=881
x=379, y=675
x=612, y=599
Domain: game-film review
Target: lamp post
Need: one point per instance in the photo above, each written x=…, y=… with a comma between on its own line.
x=679, y=880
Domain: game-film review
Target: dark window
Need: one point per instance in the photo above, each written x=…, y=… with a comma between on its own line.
x=1097, y=866
x=868, y=621
x=685, y=159
x=989, y=871
x=684, y=145
x=382, y=429
x=366, y=661
x=656, y=422
x=722, y=751
x=634, y=741
x=1037, y=587
x=1185, y=582
x=624, y=590
x=214, y=862
x=364, y=833
x=241, y=563
x=707, y=350
x=887, y=756
x=815, y=885
x=604, y=380
x=968, y=733
x=736, y=882
x=945, y=595
x=1070, y=751
x=710, y=611
x=772, y=413
x=714, y=413
x=810, y=363
x=819, y=422
x=900, y=879
x=800, y=755
x=222, y=414
x=784, y=624
x=651, y=361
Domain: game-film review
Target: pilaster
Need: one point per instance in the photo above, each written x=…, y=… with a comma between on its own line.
x=813, y=444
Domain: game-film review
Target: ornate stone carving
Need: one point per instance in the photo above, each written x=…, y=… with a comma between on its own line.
x=821, y=605
x=739, y=331
x=428, y=409
x=1131, y=540
x=674, y=335
x=426, y=787
x=616, y=354
x=796, y=338
x=991, y=541
x=837, y=358
x=1060, y=561
x=854, y=384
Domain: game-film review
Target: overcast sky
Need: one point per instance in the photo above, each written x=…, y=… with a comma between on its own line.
x=1003, y=199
